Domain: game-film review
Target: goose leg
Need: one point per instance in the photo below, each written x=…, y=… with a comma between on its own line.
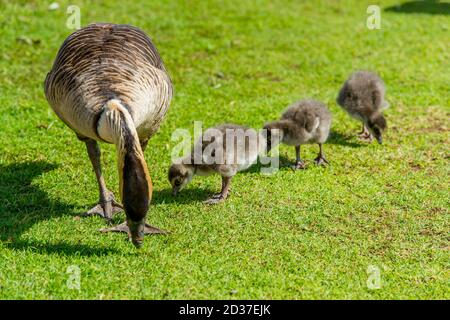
x=320, y=158
x=226, y=182
x=365, y=134
x=107, y=205
x=299, y=164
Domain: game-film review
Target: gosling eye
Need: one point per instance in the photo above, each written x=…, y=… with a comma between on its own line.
x=178, y=182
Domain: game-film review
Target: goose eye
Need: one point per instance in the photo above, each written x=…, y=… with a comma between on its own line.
x=177, y=182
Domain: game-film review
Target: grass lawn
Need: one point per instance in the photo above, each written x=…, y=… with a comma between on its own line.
x=294, y=235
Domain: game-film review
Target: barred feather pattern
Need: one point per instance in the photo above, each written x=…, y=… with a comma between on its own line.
x=102, y=62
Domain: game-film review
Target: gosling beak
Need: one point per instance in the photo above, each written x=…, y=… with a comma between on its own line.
x=175, y=191
x=137, y=232
x=380, y=140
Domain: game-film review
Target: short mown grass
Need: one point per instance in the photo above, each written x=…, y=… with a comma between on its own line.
x=294, y=235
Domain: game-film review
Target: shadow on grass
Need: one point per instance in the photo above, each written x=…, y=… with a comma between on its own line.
x=427, y=6
x=257, y=168
x=342, y=139
x=23, y=204
x=60, y=248
x=185, y=196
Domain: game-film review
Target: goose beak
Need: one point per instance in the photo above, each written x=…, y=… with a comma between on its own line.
x=137, y=232
x=380, y=140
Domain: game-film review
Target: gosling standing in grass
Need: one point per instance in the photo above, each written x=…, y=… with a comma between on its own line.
x=362, y=97
x=226, y=150
x=304, y=122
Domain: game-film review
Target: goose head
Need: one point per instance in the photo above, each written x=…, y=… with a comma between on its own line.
x=136, y=190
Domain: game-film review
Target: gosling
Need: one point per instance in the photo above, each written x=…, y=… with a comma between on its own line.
x=225, y=149
x=362, y=97
x=304, y=122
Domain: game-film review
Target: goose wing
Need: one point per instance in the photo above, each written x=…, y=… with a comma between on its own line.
x=108, y=61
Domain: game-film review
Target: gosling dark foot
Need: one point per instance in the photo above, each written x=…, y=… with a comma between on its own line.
x=123, y=227
x=298, y=165
x=215, y=199
x=105, y=209
x=320, y=160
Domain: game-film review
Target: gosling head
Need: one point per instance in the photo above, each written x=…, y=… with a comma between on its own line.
x=179, y=176
x=377, y=125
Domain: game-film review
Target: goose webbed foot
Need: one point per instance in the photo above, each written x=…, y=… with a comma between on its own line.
x=106, y=208
x=223, y=195
x=215, y=199
x=123, y=227
x=320, y=160
x=365, y=135
x=299, y=165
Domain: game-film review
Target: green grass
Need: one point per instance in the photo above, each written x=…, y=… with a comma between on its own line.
x=308, y=234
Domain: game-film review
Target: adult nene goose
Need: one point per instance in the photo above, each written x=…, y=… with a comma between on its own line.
x=109, y=84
